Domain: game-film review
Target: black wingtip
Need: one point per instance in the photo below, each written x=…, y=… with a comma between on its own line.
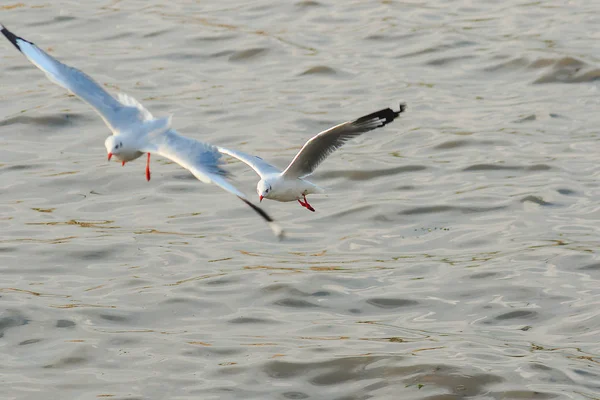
x=386, y=115
x=272, y=224
x=259, y=210
x=14, y=39
x=402, y=108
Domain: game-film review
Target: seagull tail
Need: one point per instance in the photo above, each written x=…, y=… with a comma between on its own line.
x=272, y=224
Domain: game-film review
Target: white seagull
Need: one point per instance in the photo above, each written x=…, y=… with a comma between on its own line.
x=134, y=130
x=290, y=184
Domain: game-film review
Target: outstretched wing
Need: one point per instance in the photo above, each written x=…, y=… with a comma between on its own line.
x=260, y=166
x=116, y=114
x=203, y=161
x=317, y=149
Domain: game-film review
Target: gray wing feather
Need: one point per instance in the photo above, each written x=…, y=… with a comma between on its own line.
x=260, y=166
x=317, y=149
x=114, y=113
x=204, y=161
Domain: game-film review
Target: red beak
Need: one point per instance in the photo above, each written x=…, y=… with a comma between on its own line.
x=109, y=156
x=260, y=198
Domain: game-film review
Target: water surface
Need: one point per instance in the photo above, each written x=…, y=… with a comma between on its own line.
x=455, y=255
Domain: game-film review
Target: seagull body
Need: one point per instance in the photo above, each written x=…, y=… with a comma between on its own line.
x=134, y=130
x=290, y=185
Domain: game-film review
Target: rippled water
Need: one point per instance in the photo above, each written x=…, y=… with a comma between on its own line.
x=455, y=255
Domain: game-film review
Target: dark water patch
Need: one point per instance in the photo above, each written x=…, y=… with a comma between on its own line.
x=7, y=249
x=360, y=175
x=64, y=323
x=215, y=38
x=319, y=70
x=383, y=302
x=565, y=70
x=534, y=117
x=186, y=56
x=458, y=385
x=528, y=118
x=251, y=320
x=522, y=394
x=483, y=275
x=22, y=167
x=440, y=209
x=560, y=70
x=30, y=341
x=550, y=374
x=156, y=33
x=294, y=303
x=458, y=144
x=282, y=288
x=221, y=281
x=447, y=60
x=590, y=267
x=92, y=255
x=118, y=36
x=54, y=20
x=308, y=4
x=537, y=200
x=348, y=366
x=554, y=115
x=438, y=49
x=520, y=62
x=566, y=192
x=223, y=53
x=380, y=37
x=204, y=349
x=67, y=362
x=295, y=395
x=405, y=187
x=519, y=314
x=248, y=55
x=13, y=319
x=352, y=370
x=500, y=167
x=114, y=317
x=51, y=121
x=538, y=167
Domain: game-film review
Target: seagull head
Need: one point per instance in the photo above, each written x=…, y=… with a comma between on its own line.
x=121, y=149
x=264, y=189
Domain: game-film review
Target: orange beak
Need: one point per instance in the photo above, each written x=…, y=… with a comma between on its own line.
x=109, y=156
x=260, y=198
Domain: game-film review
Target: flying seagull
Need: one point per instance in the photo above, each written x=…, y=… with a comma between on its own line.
x=134, y=130
x=290, y=184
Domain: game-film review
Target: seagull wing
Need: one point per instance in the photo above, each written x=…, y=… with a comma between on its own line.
x=117, y=114
x=317, y=149
x=260, y=166
x=203, y=160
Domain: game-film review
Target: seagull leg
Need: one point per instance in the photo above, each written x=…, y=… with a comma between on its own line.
x=148, y=168
x=306, y=205
x=123, y=164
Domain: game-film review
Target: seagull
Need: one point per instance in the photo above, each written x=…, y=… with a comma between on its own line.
x=128, y=120
x=290, y=184
x=134, y=130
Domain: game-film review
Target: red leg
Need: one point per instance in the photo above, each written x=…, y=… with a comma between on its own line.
x=148, y=168
x=123, y=164
x=308, y=206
